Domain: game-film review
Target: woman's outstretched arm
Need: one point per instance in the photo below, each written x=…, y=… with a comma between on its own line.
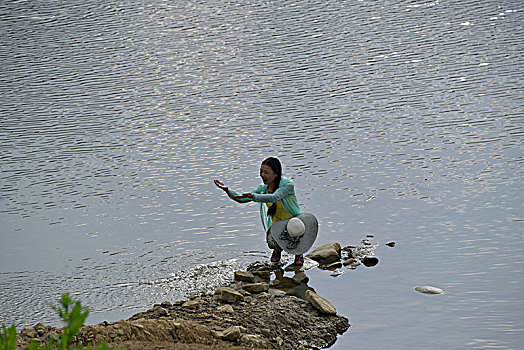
x=234, y=195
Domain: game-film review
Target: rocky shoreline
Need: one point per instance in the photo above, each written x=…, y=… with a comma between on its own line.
x=253, y=311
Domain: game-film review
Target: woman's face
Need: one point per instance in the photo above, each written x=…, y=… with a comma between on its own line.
x=267, y=174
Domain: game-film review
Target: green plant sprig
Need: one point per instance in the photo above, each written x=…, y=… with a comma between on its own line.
x=72, y=314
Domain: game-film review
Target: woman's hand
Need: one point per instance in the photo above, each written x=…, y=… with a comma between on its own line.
x=221, y=185
x=246, y=195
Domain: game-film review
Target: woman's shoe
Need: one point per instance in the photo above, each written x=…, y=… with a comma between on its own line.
x=275, y=257
x=299, y=259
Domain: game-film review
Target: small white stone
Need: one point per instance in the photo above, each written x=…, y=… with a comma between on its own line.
x=429, y=290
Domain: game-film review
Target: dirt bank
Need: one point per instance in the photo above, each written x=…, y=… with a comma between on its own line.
x=249, y=313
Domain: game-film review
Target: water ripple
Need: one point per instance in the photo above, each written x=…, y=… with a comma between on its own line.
x=397, y=118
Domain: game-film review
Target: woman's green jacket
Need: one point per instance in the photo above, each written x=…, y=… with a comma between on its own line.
x=285, y=194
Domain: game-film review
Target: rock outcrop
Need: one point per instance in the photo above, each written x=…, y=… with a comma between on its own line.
x=240, y=316
x=252, y=312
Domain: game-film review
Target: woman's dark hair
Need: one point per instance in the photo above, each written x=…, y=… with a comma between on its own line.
x=275, y=165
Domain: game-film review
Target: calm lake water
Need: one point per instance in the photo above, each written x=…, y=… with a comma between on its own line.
x=402, y=120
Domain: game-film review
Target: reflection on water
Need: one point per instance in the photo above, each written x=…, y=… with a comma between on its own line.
x=399, y=120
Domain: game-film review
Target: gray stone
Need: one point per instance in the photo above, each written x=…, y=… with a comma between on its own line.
x=226, y=308
x=334, y=245
x=351, y=263
x=162, y=312
x=265, y=275
x=332, y=266
x=255, y=341
x=320, y=303
x=337, y=273
x=300, y=278
x=29, y=332
x=232, y=333
x=279, y=341
x=349, y=251
x=191, y=304
x=256, y=287
x=229, y=295
x=243, y=276
x=40, y=328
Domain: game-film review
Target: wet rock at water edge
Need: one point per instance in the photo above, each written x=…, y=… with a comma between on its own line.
x=256, y=287
x=300, y=278
x=351, y=263
x=326, y=254
x=429, y=290
x=159, y=311
x=331, y=267
x=243, y=276
x=320, y=303
x=260, y=270
x=369, y=261
x=337, y=273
